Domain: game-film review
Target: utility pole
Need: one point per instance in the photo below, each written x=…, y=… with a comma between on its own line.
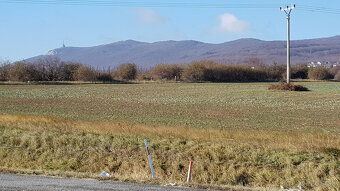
x=288, y=10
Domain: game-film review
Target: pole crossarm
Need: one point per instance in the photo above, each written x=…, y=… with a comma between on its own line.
x=288, y=9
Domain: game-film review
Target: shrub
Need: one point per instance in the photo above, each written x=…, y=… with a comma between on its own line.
x=144, y=76
x=197, y=71
x=209, y=71
x=85, y=74
x=337, y=76
x=67, y=71
x=335, y=71
x=246, y=73
x=4, y=71
x=319, y=73
x=21, y=71
x=48, y=68
x=126, y=72
x=290, y=87
x=104, y=77
x=299, y=71
x=167, y=72
x=277, y=72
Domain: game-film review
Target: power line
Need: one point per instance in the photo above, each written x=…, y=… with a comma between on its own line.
x=140, y=4
x=120, y=3
x=319, y=10
x=310, y=8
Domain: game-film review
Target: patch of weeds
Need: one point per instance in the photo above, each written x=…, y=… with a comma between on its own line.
x=290, y=87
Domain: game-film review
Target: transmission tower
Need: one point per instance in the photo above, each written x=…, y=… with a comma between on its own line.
x=288, y=10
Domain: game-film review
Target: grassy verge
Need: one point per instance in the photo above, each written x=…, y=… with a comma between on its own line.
x=237, y=158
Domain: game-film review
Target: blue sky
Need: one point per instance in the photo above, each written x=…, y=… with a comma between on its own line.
x=32, y=28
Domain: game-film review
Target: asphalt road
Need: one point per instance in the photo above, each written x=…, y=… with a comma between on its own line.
x=11, y=182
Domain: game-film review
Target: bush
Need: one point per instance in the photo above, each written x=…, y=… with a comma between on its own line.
x=4, y=71
x=48, y=68
x=277, y=72
x=209, y=71
x=299, y=72
x=126, y=72
x=335, y=71
x=197, y=71
x=290, y=87
x=167, y=72
x=337, y=76
x=319, y=73
x=67, y=71
x=23, y=72
x=144, y=76
x=85, y=74
x=104, y=77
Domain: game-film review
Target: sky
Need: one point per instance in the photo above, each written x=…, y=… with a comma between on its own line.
x=29, y=28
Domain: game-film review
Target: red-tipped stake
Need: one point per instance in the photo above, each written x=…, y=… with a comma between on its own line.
x=189, y=171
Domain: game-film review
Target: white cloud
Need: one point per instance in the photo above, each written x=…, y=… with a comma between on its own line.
x=230, y=23
x=149, y=16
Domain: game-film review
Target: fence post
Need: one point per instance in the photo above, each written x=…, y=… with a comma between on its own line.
x=150, y=161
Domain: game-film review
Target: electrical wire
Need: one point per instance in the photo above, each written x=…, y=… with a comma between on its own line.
x=140, y=4
x=120, y=3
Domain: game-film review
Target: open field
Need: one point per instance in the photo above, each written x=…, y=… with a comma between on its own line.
x=236, y=133
x=222, y=106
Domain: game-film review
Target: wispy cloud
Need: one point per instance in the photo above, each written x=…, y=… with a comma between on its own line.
x=149, y=16
x=231, y=24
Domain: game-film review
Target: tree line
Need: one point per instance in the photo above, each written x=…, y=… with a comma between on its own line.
x=52, y=69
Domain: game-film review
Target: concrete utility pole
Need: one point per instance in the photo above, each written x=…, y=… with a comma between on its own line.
x=288, y=10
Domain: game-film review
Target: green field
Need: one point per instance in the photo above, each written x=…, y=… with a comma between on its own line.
x=182, y=104
x=236, y=133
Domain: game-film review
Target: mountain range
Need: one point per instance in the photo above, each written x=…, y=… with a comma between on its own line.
x=147, y=55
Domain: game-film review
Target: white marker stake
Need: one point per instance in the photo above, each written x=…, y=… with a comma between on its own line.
x=150, y=161
x=189, y=171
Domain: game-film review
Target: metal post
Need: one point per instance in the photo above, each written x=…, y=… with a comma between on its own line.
x=150, y=161
x=288, y=10
x=189, y=171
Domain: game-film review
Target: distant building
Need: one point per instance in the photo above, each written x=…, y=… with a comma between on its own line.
x=326, y=64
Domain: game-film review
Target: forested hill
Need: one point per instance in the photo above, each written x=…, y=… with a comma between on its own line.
x=147, y=55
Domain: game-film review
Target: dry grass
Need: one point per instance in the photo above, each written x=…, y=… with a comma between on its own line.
x=272, y=139
x=235, y=157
